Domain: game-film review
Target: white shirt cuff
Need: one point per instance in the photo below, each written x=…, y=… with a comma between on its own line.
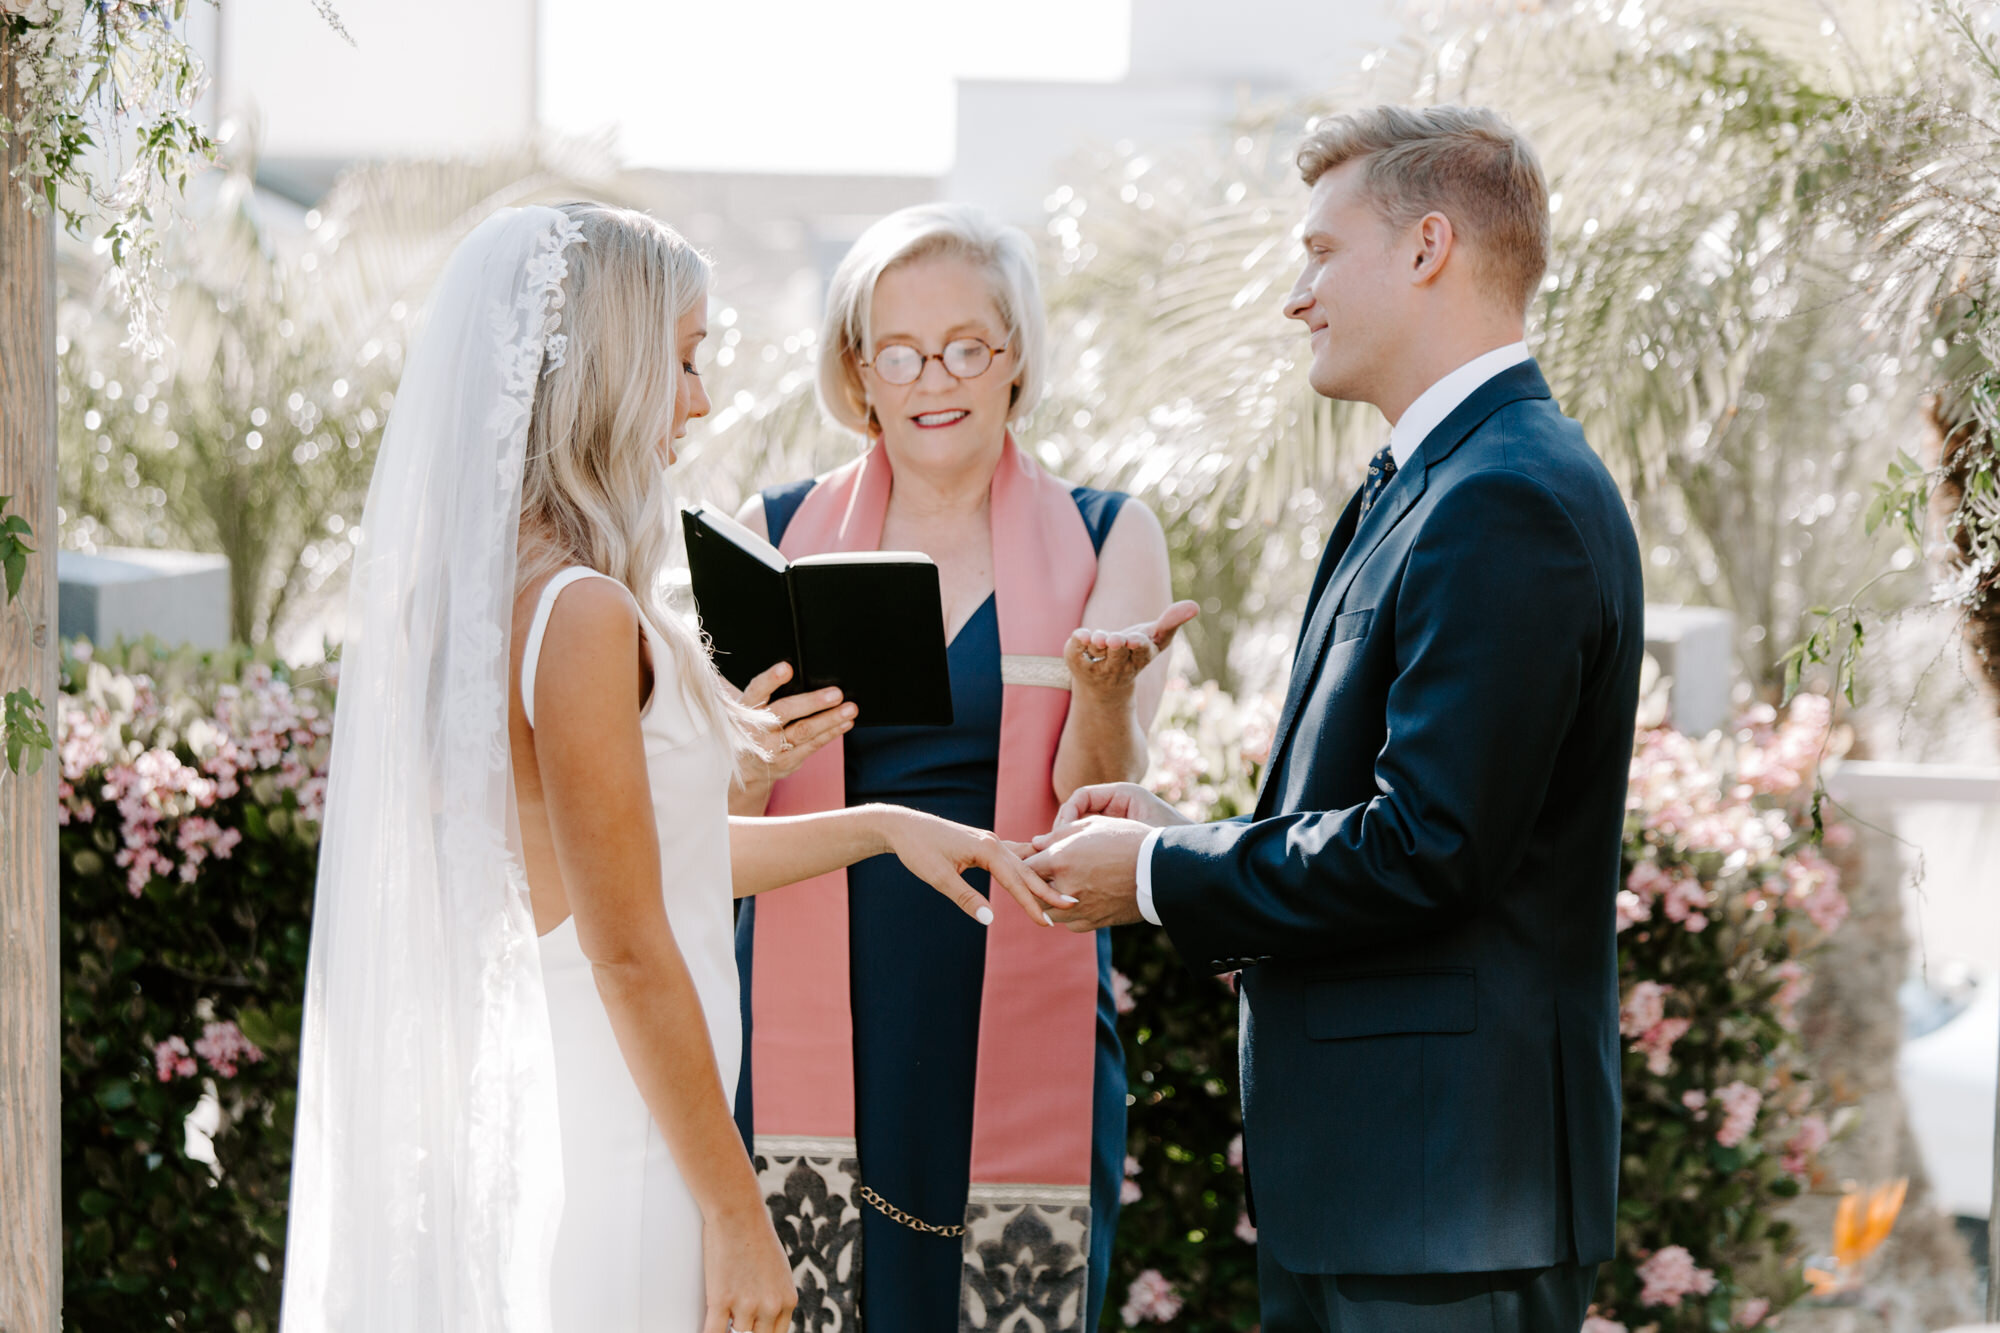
x=1146, y=877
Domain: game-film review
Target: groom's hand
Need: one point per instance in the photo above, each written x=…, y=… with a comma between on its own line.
x=1115, y=800
x=1096, y=862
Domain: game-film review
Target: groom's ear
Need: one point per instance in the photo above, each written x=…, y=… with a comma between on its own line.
x=1434, y=241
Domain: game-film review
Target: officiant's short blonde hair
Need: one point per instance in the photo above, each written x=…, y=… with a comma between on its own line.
x=1465, y=162
x=926, y=231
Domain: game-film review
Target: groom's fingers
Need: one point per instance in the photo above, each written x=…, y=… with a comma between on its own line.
x=716, y=1321
x=1034, y=893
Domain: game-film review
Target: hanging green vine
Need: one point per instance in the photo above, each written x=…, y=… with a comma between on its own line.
x=22, y=731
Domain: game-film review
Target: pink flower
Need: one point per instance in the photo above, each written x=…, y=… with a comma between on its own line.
x=1245, y=1231
x=1671, y=1274
x=1740, y=1102
x=1648, y=881
x=1796, y=984
x=1685, y=901
x=1751, y=1313
x=1695, y=1100
x=171, y=1061
x=1236, y=1152
x=1632, y=909
x=1597, y=1323
x=1121, y=992
x=1150, y=1299
x=1260, y=728
x=1811, y=1135
x=1827, y=907
x=1645, y=1005
x=199, y=838
x=1179, y=766
x=1658, y=1042
x=223, y=1045
x=1129, y=1191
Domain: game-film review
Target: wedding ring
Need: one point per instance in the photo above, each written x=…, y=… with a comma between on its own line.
x=1092, y=660
x=784, y=742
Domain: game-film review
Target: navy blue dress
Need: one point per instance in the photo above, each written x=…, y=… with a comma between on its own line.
x=917, y=963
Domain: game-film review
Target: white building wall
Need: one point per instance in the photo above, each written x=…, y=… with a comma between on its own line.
x=1193, y=64
x=423, y=77
x=1279, y=43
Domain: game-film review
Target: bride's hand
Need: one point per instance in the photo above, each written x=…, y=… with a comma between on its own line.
x=748, y=1279
x=805, y=722
x=1107, y=660
x=938, y=852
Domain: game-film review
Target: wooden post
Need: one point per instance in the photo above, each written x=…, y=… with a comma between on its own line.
x=1993, y=1226
x=30, y=1102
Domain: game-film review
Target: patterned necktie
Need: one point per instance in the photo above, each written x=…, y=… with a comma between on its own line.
x=1381, y=471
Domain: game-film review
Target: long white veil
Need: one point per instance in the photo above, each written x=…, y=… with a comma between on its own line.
x=427, y=1173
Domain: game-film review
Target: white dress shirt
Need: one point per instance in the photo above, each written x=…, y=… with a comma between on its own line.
x=1419, y=419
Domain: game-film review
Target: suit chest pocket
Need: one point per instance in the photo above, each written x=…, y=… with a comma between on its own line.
x=1350, y=625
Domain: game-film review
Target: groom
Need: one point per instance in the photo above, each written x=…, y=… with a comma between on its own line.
x=1421, y=905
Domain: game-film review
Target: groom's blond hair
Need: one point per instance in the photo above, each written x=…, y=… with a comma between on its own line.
x=1465, y=162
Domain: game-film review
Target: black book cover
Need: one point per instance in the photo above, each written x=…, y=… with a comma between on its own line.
x=869, y=622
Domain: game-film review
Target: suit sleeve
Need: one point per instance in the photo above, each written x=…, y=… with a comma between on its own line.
x=1496, y=619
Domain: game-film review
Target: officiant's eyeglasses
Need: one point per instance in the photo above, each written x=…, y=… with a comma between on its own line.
x=964, y=358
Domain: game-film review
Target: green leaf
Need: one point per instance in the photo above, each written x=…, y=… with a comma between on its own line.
x=96, y=1203
x=115, y=1096
x=26, y=738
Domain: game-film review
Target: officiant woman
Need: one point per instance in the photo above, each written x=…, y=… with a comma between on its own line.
x=971, y=1067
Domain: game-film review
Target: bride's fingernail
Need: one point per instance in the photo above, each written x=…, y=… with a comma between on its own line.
x=1067, y=900
x=985, y=916
x=1047, y=920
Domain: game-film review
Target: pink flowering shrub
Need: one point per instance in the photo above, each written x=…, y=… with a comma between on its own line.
x=189, y=803
x=1724, y=895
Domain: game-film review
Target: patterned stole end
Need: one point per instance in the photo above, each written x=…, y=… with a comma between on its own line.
x=1022, y=669
x=810, y=1187
x=1027, y=1259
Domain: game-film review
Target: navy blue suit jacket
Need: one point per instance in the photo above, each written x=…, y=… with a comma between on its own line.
x=1422, y=902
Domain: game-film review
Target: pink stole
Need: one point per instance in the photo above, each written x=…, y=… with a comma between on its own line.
x=1031, y=1129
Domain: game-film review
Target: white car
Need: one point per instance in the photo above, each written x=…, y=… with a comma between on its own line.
x=1949, y=1066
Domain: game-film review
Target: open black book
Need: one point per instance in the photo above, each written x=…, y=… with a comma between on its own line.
x=869, y=622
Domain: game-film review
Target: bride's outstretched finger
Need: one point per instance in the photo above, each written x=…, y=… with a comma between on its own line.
x=1035, y=894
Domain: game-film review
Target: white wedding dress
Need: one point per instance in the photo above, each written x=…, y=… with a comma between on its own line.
x=628, y=1249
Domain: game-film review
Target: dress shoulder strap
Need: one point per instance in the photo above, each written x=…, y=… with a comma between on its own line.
x=529, y=659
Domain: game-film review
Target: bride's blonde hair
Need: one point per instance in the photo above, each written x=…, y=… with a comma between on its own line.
x=593, y=491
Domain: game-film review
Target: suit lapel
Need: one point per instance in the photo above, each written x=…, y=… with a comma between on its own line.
x=1390, y=506
x=1336, y=573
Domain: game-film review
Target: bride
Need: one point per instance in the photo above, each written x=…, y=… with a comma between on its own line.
x=521, y=1010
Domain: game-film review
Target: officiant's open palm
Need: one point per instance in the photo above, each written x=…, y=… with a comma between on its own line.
x=1113, y=659
x=804, y=723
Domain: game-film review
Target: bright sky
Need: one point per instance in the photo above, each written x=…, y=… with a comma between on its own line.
x=804, y=85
